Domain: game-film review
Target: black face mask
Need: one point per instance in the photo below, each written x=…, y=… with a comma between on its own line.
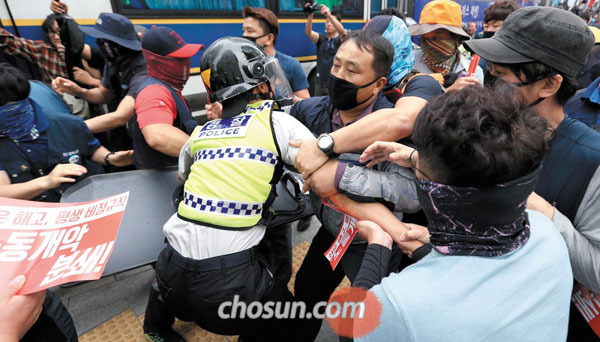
x=114, y=53
x=343, y=93
x=489, y=80
x=253, y=39
x=488, y=34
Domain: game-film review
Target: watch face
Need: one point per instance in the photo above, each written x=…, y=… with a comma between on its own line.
x=324, y=142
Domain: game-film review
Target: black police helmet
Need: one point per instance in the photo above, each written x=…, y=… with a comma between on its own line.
x=231, y=66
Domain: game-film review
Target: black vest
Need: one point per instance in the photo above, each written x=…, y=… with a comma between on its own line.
x=569, y=166
x=145, y=156
x=65, y=134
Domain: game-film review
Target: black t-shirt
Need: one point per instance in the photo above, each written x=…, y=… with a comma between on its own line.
x=423, y=86
x=97, y=60
x=326, y=50
x=129, y=81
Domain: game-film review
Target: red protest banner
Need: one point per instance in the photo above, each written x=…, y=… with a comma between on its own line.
x=589, y=309
x=56, y=243
x=347, y=232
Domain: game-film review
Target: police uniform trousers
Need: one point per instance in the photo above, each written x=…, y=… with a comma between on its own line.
x=193, y=290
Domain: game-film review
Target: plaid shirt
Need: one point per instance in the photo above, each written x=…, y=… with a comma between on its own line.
x=50, y=60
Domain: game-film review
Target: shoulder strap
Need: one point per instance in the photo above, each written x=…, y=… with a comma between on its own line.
x=408, y=77
x=267, y=206
x=184, y=119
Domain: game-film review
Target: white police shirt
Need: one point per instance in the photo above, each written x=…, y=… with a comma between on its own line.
x=201, y=242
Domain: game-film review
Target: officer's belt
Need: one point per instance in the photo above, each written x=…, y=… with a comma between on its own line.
x=211, y=264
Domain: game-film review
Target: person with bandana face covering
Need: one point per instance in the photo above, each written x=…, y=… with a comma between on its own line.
x=357, y=78
x=440, y=34
x=160, y=127
x=527, y=53
x=42, y=152
x=497, y=272
x=123, y=73
x=162, y=121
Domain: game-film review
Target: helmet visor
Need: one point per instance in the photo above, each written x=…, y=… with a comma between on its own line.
x=279, y=83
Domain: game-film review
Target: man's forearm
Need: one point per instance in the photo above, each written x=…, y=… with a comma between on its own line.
x=301, y=95
x=105, y=122
x=115, y=119
x=337, y=25
x=384, y=125
x=94, y=95
x=375, y=212
x=308, y=27
x=165, y=138
x=15, y=46
x=584, y=255
x=25, y=191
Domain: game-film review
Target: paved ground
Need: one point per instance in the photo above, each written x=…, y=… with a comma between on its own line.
x=93, y=303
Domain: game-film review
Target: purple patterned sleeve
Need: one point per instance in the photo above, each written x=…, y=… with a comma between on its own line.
x=339, y=172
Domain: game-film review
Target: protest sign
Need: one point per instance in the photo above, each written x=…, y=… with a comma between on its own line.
x=589, y=309
x=347, y=232
x=57, y=243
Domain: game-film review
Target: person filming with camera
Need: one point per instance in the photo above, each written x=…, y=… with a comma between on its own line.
x=327, y=44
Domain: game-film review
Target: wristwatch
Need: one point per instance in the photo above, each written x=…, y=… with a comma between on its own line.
x=106, y=158
x=325, y=143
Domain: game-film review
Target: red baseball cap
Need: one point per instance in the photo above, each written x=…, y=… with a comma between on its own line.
x=166, y=42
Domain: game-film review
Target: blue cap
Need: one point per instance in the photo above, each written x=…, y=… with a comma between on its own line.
x=117, y=29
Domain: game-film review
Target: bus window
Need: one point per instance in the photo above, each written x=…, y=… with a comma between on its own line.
x=375, y=7
x=187, y=5
x=348, y=7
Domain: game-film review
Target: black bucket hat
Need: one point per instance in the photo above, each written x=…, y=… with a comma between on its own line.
x=117, y=29
x=551, y=36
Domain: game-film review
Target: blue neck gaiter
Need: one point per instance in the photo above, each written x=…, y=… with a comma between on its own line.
x=17, y=121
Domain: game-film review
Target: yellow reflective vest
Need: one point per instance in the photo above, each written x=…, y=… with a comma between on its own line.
x=231, y=179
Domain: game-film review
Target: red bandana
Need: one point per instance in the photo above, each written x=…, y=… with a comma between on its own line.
x=173, y=71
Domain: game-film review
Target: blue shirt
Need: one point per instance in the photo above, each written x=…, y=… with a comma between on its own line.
x=293, y=71
x=522, y=296
x=585, y=104
x=47, y=98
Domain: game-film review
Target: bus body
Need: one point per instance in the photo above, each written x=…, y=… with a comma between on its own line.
x=204, y=21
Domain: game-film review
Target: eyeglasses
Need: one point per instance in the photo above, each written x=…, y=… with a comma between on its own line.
x=52, y=32
x=413, y=165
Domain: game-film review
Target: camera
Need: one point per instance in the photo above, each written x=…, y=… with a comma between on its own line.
x=314, y=7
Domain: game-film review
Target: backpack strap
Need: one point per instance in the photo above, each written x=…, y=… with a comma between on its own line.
x=396, y=92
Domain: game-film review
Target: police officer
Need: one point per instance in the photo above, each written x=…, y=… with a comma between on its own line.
x=230, y=167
